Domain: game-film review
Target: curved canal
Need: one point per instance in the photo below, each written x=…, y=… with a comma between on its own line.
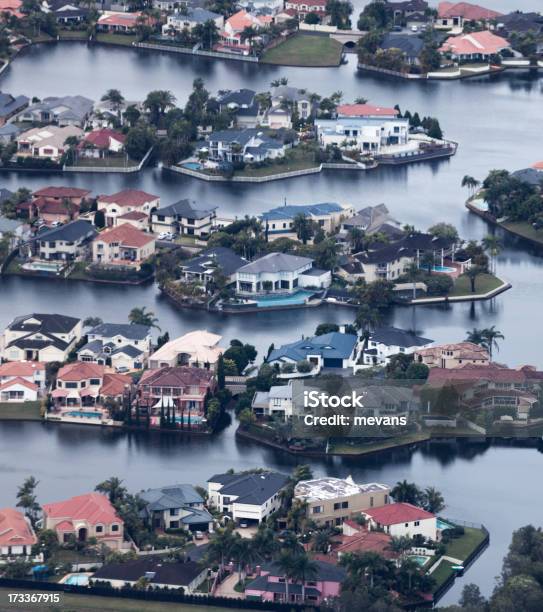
x=494, y=120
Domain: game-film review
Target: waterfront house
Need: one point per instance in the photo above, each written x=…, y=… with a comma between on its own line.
x=183, y=389
x=475, y=46
x=81, y=384
x=299, y=99
x=128, y=200
x=410, y=46
x=118, y=23
x=234, y=26
x=68, y=242
x=363, y=127
x=452, y=356
x=18, y=390
x=29, y=371
x=9, y=133
x=246, y=145
x=85, y=516
x=41, y=337
x=373, y=220
x=522, y=23
x=332, y=350
x=123, y=245
x=177, y=506
x=61, y=110
x=302, y=8
x=454, y=15
x=277, y=402
x=197, y=349
x=13, y=230
x=243, y=104
x=136, y=219
x=74, y=195
x=65, y=13
x=189, y=19
x=279, y=221
x=202, y=268
x=99, y=143
x=358, y=539
x=121, y=345
x=184, y=217
x=53, y=204
x=247, y=497
x=12, y=8
x=158, y=573
x=280, y=273
x=402, y=519
x=330, y=501
x=17, y=536
x=46, y=142
x=404, y=8
x=385, y=342
x=321, y=586
x=10, y=106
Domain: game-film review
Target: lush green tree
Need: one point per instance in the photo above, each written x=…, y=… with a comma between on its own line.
x=326, y=328
x=444, y=230
x=312, y=19
x=432, y=500
x=157, y=103
x=27, y=499
x=115, y=97
x=142, y=316
x=138, y=141
x=113, y=488
x=472, y=274
x=92, y=322
x=206, y=33
x=303, y=226
x=407, y=492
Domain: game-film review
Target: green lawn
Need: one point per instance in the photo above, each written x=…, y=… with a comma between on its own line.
x=106, y=162
x=299, y=159
x=359, y=448
x=442, y=573
x=305, y=50
x=483, y=284
x=27, y=411
x=524, y=229
x=461, y=548
x=73, y=35
x=88, y=603
x=116, y=39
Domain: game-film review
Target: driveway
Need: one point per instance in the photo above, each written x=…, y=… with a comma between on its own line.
x=226, y=588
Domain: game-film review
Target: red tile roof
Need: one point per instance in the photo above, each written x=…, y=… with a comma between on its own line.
x=61, y=192
x=80, y=370
x=114, y=384
x=474, y=43
x=128, y=197
x=182, y=376
x=19, y=381
x=94, y=508
x=312, y=5
x=125, y=234
x=471, y=372
x=538, y=165
x=128, y=20
x=102, y=138
x=471, y=12
x=134, y=215
x=365, y=541
x=365, y=110
x=15, y=529
x=21, y=368
x=401, y=512
x=51, y=207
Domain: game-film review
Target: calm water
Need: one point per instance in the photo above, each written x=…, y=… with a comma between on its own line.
x=496, y=123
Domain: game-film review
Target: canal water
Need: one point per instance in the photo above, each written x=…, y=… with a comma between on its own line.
x=496, y=121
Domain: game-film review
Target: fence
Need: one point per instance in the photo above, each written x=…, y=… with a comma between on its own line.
x=189, y=51
x=112, y=169
x=164, y=595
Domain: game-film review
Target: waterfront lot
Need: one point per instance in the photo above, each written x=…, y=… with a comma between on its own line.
x=483, y=284
x=305, y=50
x=28, y=411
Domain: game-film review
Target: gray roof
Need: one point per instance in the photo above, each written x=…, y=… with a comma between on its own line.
x=159, y=571
x=251, y=488
x=240, y=97
x=196, y=15
x=64, y=107
x=173, y=496
x=221, y=257
x=132, y=331
x=47, y=323
x=185, y=208
x=129, y=350
x=275, y=262
x=326, y=572
x=393, y=336
x=285, y=92
x=529, y=175
x=10, y=129
x=10, y=104
x=334, y=345
x=309, y=210
x=408, y=44
x=71, y=232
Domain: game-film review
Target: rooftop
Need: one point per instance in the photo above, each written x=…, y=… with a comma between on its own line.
x=251, y=488
x=334, y=345
x=70, y=232
x=125, y=235
x=201, y=345
x=275, y=262
x=471, y=12
x=320, y=489
x=93, y=508
x=128, y=197
x=401, y=512
x=131, y=331
x=477, y=42
x=309, y=210
x=393, y=336
x=160, y=572
x=48, y=323
x=365, y=110
x=185, y=208
x=15, y=530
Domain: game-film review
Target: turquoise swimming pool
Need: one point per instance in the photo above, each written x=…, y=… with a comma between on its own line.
x=300, y=297
x=419, y=559
x=78, y=579
x=441, y=525
x=84, y=413
x=445, y=269
x=192, y=165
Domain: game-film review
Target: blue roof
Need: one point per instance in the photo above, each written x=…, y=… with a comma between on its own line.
x=334, y=345
x=309, y=210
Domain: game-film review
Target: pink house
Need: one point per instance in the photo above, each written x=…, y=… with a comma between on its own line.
x=270, y=585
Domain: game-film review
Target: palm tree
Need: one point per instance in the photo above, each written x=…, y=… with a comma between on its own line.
x=361, y=100
x=264, y=541
x=221, y=545
x=115, y=97
x=321, y=540
x=243, y=552
x=491, y=336
x=400, y=545
x=248, y=33
x=303, y=227
x=367, y=318
x=406, y=492
x=493, y=246
x=113, y=488
x=476, y=336
x=470, y=182
x=433, y=500
x=157, y=103
x=286, y=565
x=356, y=238
x=428, y=261
x=472, y=273
x=142, y=316
x=303, y=568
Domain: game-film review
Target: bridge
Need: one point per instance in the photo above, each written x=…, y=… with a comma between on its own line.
x=348, y=38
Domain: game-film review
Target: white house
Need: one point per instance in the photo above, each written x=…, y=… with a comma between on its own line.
x=18, y=390
x=46, y=142
x=128, y=200
x=402, y=519
x=30, y=371
x=189, y=19
x=275, y=402
x=385, y=342
x=280, y=273
x=41, y=337
x=198, y=348
x=250, y=497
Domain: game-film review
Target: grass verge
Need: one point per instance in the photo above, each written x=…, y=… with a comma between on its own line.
x=305, y=50
x=25, y=411
x=483, y=284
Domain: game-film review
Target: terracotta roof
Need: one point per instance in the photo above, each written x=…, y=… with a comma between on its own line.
x=51, y=207
x=80, y=370
x=476, y=42
x=94, y=508
x=128, y=197
x=365, y=110
x=19, y=381
x=134, y=215
x=114, y=384
x=465, y=350
x=470, y=372
x=119, y=19
x=61, y=192
x=21, y=368
x=15, y=529
x=125, y=234
x=400, y=512
x=471, y=12
x=181, y=376
x=538, y=165
x=365, y=541
x=102, y=138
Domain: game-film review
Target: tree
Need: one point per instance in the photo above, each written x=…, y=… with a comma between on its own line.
x=357, y=239
x=326, y=328
x=206, y=33
x=312, y=19
x=470, y=182
x=115, y=97
x=27, y=500
x=476, y=336
x=321, y=540
x=157, y=102
x=138, y=141
x=491, y=336
x=286, y=565
x=92, y=322
x=401, y=545
x=99, y=219
x=303, y=226
x=132, y=114
x=407, y=492
x=471, y=597
x=432, y=500
x=142, y=316
x=444, y=230
x=113, y=488
x=472, y=273
x=221, y=545
x=492, y=246
x=220, y=372
x=303, y=569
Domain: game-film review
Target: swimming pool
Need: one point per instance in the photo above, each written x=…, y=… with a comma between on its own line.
x=300, y=297
x=445, y=269
x=419, y=559
x=43, y=266
x=78, y=579
x=441, y=525
x=192, y=165
x=84, y=413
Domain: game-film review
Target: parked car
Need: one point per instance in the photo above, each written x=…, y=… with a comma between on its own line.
x=166, y=236
x=414, y=28
x=121, y=369
x=198, y=535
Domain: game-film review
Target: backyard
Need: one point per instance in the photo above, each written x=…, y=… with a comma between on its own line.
x=26, y=411
x=305, y=50
x=483, y=284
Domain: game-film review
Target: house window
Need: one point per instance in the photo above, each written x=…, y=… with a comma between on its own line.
x=337, y=506
x=417, y=523
x=71, y=385
x=174, y=511
x=345, y=504
x=114, y=527
x=317, y=509
x=99, y=529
